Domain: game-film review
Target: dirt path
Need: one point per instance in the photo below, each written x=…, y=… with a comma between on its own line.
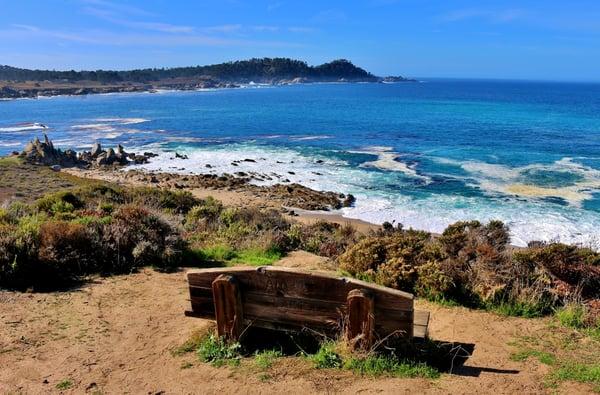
x=115, y=335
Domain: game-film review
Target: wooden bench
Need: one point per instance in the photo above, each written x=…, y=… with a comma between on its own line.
x=292, y=300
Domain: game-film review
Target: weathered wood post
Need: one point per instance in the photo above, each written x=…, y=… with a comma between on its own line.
x=228, y=307
x=361, y=318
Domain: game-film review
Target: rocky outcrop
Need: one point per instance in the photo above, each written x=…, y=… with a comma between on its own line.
x=44, y=153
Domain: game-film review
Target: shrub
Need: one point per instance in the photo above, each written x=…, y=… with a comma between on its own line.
x=59, y=202
x=177, y=202
x=393, y=259
x=66, y=250
x=208, y=210
x=135, y=237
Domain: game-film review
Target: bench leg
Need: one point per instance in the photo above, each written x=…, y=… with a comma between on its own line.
x=228, y=307
x=361, y=318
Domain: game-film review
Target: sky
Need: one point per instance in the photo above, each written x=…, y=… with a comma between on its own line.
x=527, y=39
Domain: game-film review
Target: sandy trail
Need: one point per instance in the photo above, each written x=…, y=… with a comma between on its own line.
x=115, y=335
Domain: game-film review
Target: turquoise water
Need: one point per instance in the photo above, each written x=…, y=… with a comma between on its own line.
x=424, y=154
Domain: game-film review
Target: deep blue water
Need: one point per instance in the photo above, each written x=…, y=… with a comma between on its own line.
x=424, y=154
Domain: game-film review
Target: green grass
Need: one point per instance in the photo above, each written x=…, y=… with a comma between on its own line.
x=225, y=254
x=190, y=345
x=383, y=365
x=519, y=309
x=571, y=316
x=326, y=357
x=544, y=357
x=582, y=373
x=218, y=352
x=257, y=257
x=64, y=385
x=9, y=161
x=265, y=359
x=374, y=365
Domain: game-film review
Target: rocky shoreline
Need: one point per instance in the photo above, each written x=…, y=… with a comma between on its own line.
x=35, y=90
x=111, y=162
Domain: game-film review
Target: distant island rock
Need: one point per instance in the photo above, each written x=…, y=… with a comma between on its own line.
x=20, y=83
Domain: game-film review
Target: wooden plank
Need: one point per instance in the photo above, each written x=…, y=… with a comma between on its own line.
x=421, y=324
x=360, y=324
x=228, y=307
x=292, y=283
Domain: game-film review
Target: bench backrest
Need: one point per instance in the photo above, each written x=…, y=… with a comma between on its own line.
x=292, y=300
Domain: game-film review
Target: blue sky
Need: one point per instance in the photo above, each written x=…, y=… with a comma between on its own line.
x=552, y=39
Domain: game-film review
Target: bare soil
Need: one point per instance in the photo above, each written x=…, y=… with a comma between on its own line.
x=117, y=335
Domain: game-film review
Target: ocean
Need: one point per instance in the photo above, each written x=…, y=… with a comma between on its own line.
x=422, y=154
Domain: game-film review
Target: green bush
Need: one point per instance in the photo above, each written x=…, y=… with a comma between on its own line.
x=64, y=201
x=394, y=260
x=176, y=202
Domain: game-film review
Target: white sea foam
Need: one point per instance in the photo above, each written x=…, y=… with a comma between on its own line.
x=122, y=121
x=389, y=160
x=307, y=138
x=506, y=180
x=24, y=127
x=527, y=219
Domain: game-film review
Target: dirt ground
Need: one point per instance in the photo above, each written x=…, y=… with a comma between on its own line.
x=117, y=334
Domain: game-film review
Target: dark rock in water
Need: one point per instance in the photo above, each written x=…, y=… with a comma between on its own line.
x=208, y=165
x=150, y=154
x=291, y=172
x=250, y=160
x=179, y=156
x=241, y=174
x=234, y=164
x=349, y=200
x=320, y=161
x=96, y=150
x=140, y=159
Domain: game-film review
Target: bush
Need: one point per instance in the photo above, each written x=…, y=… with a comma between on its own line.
x=66, y=251
x=176, y=202
x=57, y=202
x=135, y=237
x=394, y=260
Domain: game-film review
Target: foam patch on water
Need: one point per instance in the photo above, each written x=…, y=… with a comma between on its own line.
x=389, y=160
x=24, y=127
x=580, y=184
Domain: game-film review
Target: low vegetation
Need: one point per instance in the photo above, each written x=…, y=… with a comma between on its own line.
x=473, y=264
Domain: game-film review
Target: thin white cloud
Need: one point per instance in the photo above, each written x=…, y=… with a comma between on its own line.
x=301, y=29
x=229, y=28
x=265, y=28
x=496, y=16
x=112, y=17
x=29, y=34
